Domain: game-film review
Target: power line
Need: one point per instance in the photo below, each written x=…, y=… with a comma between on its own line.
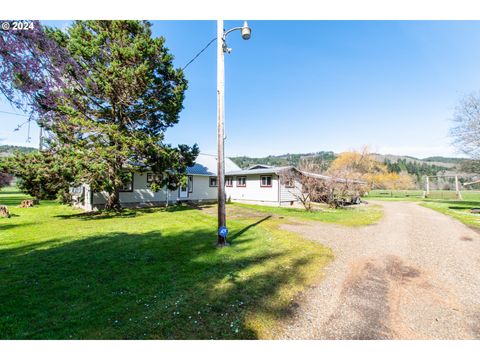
x=11, y=113
x=199, y=53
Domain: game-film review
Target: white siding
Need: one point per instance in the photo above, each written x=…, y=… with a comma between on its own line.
x=142, y=194
x=287, y=195
x=253, y=192
x=201, y=189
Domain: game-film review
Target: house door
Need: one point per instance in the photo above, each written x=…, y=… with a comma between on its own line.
x=183, y=191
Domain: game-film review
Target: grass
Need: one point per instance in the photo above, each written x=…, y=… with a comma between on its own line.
x=349, y=216
x=394, y=194
x=468, y=195
x=441, y=201
x=458, y=209
x=146, y=274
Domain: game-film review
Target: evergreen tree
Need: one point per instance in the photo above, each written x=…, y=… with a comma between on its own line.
x=105, y=91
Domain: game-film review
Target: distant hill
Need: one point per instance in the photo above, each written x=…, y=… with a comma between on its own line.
x=416, y=167
x=329, y=156
x=325, y=157
x=440, y=161
x=443, y=159
x=6, y=150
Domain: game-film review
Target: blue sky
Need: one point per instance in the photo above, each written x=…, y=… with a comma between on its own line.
x=305, y=86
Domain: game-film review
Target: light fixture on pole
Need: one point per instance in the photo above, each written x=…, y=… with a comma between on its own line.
x=222, y=48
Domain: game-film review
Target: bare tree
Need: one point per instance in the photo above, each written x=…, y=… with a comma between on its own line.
x=308, y=185
x=466, y=131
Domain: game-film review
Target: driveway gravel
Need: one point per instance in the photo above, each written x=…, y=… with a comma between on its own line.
x=414, y=275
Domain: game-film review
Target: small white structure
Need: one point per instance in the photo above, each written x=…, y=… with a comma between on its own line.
x=260, y=184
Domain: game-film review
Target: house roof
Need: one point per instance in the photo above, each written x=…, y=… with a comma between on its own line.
x=278, y=169
x=260, y=166
x=336, y=179
x=206, y=164
x=269, y=170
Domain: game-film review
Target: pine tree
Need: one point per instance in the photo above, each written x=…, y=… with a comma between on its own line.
x=106, y=91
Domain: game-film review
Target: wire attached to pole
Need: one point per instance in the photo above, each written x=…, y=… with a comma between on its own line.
x=199, y=53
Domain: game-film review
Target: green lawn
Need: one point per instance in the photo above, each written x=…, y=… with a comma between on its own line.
x=146, y=274
x=460, y=210
x=394, y=194
x=468, y=195
x=442, y=201
x=348, y=216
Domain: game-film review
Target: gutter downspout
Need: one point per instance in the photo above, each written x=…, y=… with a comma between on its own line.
x=279, y=192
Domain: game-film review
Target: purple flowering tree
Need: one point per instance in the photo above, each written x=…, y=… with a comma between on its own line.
x=35, y=71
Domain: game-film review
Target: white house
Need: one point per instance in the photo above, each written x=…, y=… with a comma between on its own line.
x=200, y=187
x=259, y=184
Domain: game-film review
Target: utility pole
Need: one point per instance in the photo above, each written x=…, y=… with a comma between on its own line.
x=221, y=49
x=40, y=141
x=427, y=186
x=222, y=216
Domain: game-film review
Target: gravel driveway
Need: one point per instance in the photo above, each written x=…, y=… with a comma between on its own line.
x=415, y=275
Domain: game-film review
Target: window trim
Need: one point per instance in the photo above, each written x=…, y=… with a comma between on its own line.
x=231, y=181
x=266, y=176
x=190, y=184
x=210, y=181
x=150, y=178
x=239, y=177
x=133, y=185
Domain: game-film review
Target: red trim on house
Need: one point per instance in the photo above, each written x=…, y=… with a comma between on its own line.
x=231, y=181
x=271, y=181
x=245, y=181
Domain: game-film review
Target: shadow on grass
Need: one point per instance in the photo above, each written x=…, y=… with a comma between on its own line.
x=132, y=286
x=456, y=204
x=246, y=228
x=123, y=213
x=11, y=200
x=6, y=225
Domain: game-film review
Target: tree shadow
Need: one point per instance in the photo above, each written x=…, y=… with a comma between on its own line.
x=4, y=225
x=239, y=233
x=458, y=204
x=153, y=285
x=123, y=213
x=12, y=200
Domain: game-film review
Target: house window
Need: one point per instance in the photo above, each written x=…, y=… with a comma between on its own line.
x=289, y=183
x=127, y=185
x=190, y=184
x=229, y=181
x=265, y=181
x=213, y=181
x=152, y=176
x=241, y=181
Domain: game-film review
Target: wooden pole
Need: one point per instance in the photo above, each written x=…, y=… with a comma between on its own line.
x=427, y=186
x=220, y=131
x=457, y=188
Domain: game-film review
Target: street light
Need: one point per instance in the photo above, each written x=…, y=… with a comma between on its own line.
x=222, y=48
